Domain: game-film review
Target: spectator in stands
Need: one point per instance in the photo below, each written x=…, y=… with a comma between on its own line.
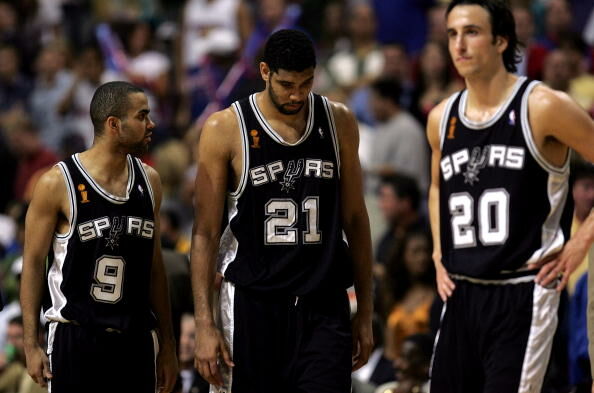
x=399, y=144
x=52, y=83
x=399, y=200
x=408, y=290
x=33, y=157
x=412, y=366
x=557, y=70
x=435, y=80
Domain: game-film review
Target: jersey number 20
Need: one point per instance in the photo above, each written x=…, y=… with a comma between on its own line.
x=492, y=214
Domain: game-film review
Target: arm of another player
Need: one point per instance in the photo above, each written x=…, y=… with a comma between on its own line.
x=355, y=223
x=40, y=225
x=214, y=160
x=555, y=114
x=445, y=285
x=167, y=366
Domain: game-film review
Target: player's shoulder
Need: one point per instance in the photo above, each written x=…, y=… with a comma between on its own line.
x=543, y=99
x=439, y=110
x=222, y=121
x=51, y=185
x=340, y=111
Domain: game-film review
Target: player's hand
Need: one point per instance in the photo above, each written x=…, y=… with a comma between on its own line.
x=362, y=339
x=561, y=265
x=167, y=368
x=38, y=365
x=210, y=347
x=445, y=285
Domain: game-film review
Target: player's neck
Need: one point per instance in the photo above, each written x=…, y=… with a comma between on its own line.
x=490, y=91
x=272, y=114
x=103, y=162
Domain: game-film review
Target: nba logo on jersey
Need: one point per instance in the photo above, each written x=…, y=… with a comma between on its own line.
x=512, y=118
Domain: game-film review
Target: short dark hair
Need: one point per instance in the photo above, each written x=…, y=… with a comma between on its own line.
x=111, y=99
x=502, y=25
x=290, y=50
x=404, y=187
x=387, y=88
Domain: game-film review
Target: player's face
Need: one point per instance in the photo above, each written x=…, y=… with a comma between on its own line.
x=288, y=90
x=137, y=127
x=470, y=41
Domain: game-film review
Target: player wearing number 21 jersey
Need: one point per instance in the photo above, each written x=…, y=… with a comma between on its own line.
x=280, y=168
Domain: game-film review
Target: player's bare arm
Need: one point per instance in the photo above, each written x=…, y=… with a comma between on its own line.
x=167, y=366
x=219, y=150
x=47, y=213
x=557, y=122
x=356, y=226
x=445, y=285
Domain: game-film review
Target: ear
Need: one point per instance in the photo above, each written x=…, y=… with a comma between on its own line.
x=112, y=124
x=501, y=43
x=265, y=71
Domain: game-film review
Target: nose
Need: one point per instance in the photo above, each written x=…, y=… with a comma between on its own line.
x=297, y=95
x=151, y=124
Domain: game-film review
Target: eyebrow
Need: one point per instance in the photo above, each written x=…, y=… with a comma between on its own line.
x=292, y=83
x=143, y=112
x=471, y=26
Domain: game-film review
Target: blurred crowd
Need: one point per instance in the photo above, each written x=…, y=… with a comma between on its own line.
x=386, y=59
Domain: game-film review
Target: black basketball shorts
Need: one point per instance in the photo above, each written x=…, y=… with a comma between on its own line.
x=288, y=344
x=495, y=337
x=98, y=361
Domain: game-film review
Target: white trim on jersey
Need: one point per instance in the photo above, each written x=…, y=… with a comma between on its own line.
x=245, y=150
x=106, y=195
x=443, y=122
x=146, y=180
x=228, y=243
x=503, y=281
x=479, y=125
x=528, y=136
x=51, y=335
x=72, y=198
x=156, y=350
x=226, y=321
x=441, y=315
x=545, y=303
x=273, y=134
x=55, y=277
x=333, y=131
x=557, y=188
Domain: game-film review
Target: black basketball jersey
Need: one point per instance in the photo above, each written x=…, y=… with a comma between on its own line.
x=285, y=226
x=100, y=271
x=501, y=202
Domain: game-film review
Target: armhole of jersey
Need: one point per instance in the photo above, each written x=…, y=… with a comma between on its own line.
x=72, y=201
x=244, y=150
x=146, y=180
x=443, y=122
x=528, y=137
x=333, y=132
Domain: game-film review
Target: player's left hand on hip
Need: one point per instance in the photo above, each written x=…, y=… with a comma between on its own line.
x=562, y=265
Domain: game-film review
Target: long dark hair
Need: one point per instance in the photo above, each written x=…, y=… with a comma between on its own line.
x=502, y=25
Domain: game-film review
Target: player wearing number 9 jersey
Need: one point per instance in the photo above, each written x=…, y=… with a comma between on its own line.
x=500, y=168
x=284, y=163
x=96, y=213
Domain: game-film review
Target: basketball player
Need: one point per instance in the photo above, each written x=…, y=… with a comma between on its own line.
x=96, y=213
x=500, y=166
x=284, y=163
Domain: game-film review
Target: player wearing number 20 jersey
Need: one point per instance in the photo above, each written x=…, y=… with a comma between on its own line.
x=285, y=229
x=505, y=202
x=100, y=271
